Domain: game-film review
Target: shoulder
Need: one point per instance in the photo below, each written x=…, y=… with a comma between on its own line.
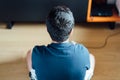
x=37, y=49
x=80, y=47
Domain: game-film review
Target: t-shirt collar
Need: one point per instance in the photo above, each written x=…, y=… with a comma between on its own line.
x=67, y=41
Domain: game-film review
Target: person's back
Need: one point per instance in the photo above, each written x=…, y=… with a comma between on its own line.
x=62, y=59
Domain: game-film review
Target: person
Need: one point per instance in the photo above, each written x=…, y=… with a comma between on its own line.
x=62, y=59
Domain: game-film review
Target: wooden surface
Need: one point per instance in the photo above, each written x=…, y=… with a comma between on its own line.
x=15, y=43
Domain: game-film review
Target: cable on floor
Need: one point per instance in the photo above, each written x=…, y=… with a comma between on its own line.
x=105, y=42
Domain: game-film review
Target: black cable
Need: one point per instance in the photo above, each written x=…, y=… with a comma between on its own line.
x=105, y=42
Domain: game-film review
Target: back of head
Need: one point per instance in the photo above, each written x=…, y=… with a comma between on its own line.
x=60, y=22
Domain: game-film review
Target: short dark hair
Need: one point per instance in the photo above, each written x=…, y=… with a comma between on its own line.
x=60, y=22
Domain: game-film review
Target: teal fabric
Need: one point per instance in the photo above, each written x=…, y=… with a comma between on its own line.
x=60, y=61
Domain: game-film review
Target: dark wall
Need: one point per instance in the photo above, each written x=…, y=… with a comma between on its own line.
x=37, y=10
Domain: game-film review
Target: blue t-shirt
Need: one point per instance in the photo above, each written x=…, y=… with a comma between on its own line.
x=60, y=61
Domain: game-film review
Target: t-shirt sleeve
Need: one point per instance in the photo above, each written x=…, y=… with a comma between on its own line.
x=86, y=56
x=35, y=53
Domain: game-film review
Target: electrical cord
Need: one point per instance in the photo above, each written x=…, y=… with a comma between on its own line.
x=105, y=42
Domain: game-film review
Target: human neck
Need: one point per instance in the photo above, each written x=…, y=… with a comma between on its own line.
x=61, y=42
